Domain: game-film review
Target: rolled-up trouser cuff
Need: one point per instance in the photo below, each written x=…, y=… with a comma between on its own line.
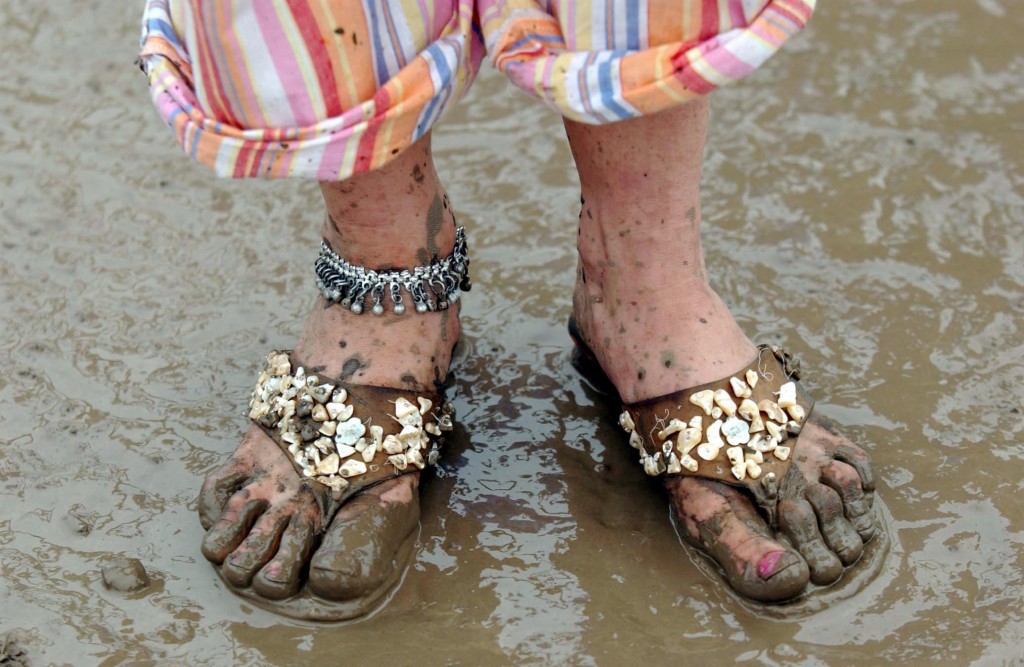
x=331, y=88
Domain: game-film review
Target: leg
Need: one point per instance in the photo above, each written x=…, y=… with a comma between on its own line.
x=644, y=306
x=260, y=519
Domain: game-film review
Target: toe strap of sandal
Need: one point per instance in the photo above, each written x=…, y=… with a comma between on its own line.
x=740, y=430
x=344, y=438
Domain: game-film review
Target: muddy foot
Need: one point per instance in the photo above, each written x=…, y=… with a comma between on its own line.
x=264, y=529
x=825, y=509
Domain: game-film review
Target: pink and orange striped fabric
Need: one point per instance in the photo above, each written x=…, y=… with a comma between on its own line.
x=327, y=88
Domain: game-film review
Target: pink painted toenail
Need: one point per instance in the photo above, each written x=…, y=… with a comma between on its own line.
x=766, y=567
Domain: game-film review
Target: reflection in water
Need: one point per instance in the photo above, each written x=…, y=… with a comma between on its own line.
x=862, y=201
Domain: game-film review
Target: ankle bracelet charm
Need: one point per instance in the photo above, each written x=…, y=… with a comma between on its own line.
x=433, y=287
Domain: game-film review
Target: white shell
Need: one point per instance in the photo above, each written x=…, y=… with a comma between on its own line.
x=688, y=439
x=752, y=378
x=653, y=465
x=736, y=431
x=338, y=411
x=278, y=364
x=393, y=445
x=338, y=484
x=425, y=404
x=740, y=471
x=377, y=434
x=753, y=470
x=349, y=431
x=345, y=451
x=433, y=456
x=329, y=428
x=716, y=412
x=735, y=455
x=756, y=457
x=724, y=401
x=432, y=428
x=674, y=426
x=773, y=428
x=415, y=419
x=748, y=409
x=340, y=396
x=707, y=451
x=351, y=468
x=703, y=399
x=674, y=467
x=635, y=441
x=756, y=424
x=320, y=413
x=404, y=408
x=715, y=434
x=369, y=453
x=772, y=409
x=739, y=387
x=409, y=433
x=399, y=461
x=689, y=463
x=626, y=422
x=329, y=465
x=697, y=422
x=782, y=452
x=787, y=395
x=797, y=413
x=323, y=444
x=756, y=442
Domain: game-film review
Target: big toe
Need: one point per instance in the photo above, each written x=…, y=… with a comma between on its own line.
x=368, y=543
x=723, y=522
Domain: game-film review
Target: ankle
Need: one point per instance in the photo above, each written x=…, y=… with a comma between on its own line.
x=397, y=216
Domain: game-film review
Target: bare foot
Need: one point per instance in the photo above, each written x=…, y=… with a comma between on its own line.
x=262, y=523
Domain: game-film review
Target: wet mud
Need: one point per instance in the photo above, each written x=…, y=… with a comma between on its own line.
x=862, y=202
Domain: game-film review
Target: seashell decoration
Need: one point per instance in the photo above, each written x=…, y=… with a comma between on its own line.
x=326, y=442
x=748, y=432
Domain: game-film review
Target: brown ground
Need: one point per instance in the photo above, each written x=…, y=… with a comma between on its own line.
x=863, y=206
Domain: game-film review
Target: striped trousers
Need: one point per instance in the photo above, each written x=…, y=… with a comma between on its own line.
x=324, y=89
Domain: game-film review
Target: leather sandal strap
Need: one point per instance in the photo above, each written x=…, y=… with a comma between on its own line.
x=739, y=430
x=343, y=438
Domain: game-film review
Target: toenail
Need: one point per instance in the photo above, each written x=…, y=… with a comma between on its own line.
x=766, y=567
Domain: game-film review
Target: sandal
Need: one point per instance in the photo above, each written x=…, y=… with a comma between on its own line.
x=740, y=430
x=342, y=439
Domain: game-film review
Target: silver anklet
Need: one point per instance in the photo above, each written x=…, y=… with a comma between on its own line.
x=432, y=287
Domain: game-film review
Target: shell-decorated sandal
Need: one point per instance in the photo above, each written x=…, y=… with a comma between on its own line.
x=341, y=438
x=740, y=430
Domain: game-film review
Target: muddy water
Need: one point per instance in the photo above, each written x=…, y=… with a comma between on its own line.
x=863, y=199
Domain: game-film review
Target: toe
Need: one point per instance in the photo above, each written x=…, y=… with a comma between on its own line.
x=858, y=459
x=838, y=532
x=362, y=550
x=281, y=577
x=856, y=504
x=240, y=512
x=254, y=552
x=725, y=524
x=798, y=521
x=218, y=486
